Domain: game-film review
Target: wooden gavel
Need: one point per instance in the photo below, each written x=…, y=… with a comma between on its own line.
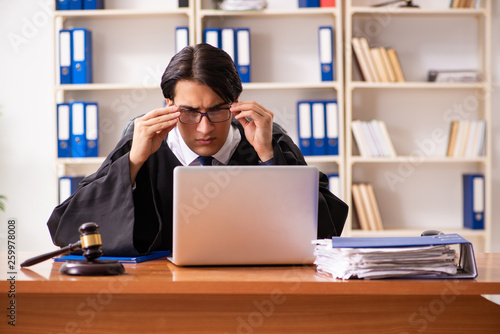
x=90, y=242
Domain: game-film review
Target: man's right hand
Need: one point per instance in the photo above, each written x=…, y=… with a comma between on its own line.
x=149, y=132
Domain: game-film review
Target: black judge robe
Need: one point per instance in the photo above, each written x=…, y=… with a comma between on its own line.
x=134, y=222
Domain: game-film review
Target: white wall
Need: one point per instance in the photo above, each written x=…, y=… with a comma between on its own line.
x=27, y=128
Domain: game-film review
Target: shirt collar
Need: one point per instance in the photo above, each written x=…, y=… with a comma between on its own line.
x=186, y=156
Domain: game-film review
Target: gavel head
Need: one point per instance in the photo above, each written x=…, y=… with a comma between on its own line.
x=91, y=241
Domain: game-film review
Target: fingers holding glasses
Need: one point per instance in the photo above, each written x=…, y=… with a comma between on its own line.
x=248, y=111
x=149, y=132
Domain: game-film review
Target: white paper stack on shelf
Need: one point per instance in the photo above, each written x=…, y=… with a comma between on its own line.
x=390, y=257
x=243, y=4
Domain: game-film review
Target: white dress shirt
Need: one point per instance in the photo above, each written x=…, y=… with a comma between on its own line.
x=188, y=158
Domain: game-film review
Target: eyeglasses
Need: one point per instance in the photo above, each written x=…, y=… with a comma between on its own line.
x=194, y=117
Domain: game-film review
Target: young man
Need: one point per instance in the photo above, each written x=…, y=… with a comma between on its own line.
x=130, y=196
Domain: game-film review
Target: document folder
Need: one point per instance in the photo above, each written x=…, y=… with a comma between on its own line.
x=82, y=56
x=304, y=122
x=473, y=194
x=467, y=262
x=67, y=186
x=181, y=38
x=91, y=129
x=93, y=4
x=63, y=131
x=243, y=53
x=121, y=259
x=332, y=128
x=326, y=53
x=228, y=42
x=319, y=128
x=65, y=55
x=62, y=4
x=212, y=37
x=75, y=4
x=78, y=138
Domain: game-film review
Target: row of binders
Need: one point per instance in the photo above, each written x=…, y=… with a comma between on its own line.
x=77, y=130
x=367, y=209
x=372, y=139
x=75, y=56
x=316, y=3
x=377, y=64
x=79, y=4
x=464, y=4
x=236, y=42
x=466, y=139
x=318, y=127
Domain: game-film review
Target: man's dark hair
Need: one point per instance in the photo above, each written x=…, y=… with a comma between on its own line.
x=206, y=65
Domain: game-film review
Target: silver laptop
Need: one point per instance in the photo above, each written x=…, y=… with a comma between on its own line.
x=244, y=215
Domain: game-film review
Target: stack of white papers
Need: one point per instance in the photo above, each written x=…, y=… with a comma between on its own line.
x=385, y=262
x=243, y=4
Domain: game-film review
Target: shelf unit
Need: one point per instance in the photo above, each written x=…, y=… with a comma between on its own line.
x=119, y=97
x=278, y=83
x=412, y=111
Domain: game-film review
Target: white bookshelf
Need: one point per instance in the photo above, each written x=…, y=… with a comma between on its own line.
x=428, y=195
x=124, y=86
x=285, y=65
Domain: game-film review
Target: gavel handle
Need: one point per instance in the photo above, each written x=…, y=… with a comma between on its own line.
x=37, y=259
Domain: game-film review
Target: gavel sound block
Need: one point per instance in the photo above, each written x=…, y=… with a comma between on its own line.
x=90, y=242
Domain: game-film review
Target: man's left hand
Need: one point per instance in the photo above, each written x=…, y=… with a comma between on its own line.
x=258, y=124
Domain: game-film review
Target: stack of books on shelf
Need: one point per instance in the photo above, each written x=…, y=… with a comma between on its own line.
x=396, y=257
x=464, y=4
x=372, y=139
x=377, y=64
x=466, y=139
x=366, y=207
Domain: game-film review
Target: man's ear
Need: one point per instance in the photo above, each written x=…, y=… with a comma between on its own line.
x=169, y=102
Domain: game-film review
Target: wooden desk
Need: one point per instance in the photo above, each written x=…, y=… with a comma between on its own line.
x=158, y=297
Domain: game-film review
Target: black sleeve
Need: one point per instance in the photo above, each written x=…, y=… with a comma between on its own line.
x=105, y=198
x=332, y=211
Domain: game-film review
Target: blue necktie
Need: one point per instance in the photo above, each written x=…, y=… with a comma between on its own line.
x=206, y=161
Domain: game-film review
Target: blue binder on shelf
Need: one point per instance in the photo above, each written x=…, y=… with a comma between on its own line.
x=82, y=56
x=77, y=127
x=318, y=128
x=308, y=3
x=243, y=53
x=228, y=42
x=212, y=36
x=304, y=122
x=65, y=55
x=67, y=186
x=63, y=131
x=334, y=185
x=121, y=259
x=332, y=128
x=62, y=4
x=467, y=262
x=326, y=53
x=181, y=38
x=473, y=195
x=91, y=129
x=75, y=4
x=93, y=4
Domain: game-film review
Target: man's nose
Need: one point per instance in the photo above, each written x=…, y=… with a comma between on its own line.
x=205, y=126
